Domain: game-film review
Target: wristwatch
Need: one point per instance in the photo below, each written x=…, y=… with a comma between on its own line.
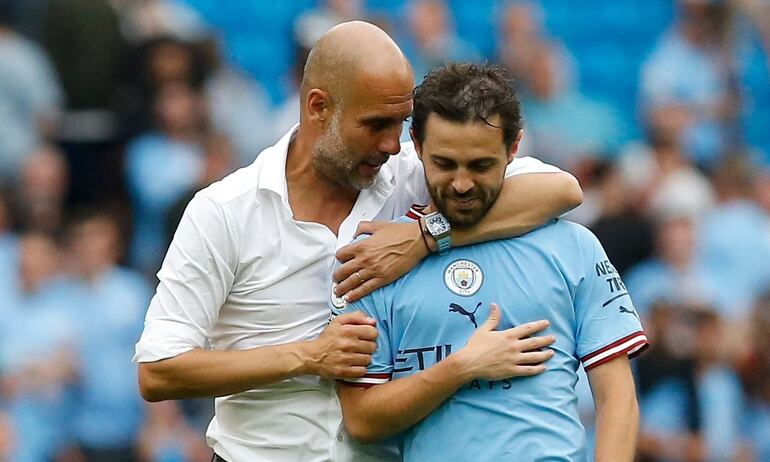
x=438, y=227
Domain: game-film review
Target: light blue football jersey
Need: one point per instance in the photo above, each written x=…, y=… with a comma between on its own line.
x=558, y=272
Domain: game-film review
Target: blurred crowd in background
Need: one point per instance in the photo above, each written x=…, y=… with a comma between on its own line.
x=114, y=112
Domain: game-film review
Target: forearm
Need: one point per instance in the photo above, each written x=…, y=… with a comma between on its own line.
x=392, y=407
x=209, y=373
x=525, y=202
x=617, y=427
x=617, y=413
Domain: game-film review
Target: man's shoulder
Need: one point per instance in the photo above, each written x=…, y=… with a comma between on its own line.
x=237, y=184
x=558, y=240
x=557, y=229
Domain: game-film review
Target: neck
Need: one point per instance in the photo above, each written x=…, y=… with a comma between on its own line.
x=301, y=174
x=311, y=197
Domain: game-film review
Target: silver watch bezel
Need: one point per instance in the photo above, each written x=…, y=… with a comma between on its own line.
x=431, y=225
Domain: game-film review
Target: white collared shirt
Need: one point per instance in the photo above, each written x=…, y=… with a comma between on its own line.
x=242, y=273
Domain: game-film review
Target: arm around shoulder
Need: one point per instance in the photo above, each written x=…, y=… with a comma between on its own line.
x=526, y=201
x=544, y=194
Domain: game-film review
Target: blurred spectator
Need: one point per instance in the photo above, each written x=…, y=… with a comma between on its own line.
x=761, y=194
x=161, y=61
x=8, y=246
x=624, y=232
x=672, y=274
x=143, y=20
x=161, y=166
x=668, y=400
x=521, y=33
x=42, y=190
x=30, y=96
x=433, y=38
x=691, y=399
x=707, y=99
x=758, y=12
x=286, y=115
x=7, y=437
x=563, y=126
x=167, y=437
x=662, y=179
x=168, y=60
x=734, y=241
x=110, y=304
x=755, y=374
x=237, y=107
x=83, y=38
x=84, y=41
x=720, y=396
x=218, y=161
x=312, y=24
x=36, y=353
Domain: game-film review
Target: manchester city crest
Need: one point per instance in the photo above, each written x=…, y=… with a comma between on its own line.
x=463, y=277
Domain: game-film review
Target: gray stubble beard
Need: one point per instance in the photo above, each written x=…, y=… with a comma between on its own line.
x=334, y=162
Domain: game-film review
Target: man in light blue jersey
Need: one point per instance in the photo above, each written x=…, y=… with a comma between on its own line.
x=432, y=377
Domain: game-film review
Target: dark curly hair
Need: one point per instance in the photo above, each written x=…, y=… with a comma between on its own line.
x=466, y=92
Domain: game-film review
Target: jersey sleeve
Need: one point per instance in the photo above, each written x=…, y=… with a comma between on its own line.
x=380, y=369
x=608, y=325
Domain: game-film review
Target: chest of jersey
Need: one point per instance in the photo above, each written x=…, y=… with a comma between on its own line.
x=443, y=302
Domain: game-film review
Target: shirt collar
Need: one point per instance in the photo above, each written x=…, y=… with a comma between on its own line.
x=272, y=175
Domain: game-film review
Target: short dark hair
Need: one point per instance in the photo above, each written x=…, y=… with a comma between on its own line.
x=466, y=92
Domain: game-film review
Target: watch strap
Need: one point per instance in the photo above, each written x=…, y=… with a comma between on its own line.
x=444, y=244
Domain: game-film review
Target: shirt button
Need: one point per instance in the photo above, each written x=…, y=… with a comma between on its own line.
x=339, y=438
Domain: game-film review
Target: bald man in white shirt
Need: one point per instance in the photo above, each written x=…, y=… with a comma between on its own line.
x=241, y=313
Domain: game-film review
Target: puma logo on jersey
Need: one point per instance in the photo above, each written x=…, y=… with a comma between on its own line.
x=455, y=308
x=623, y=309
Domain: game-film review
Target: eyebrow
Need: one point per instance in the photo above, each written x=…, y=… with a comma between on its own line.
x=471, y=162
x=377, y=120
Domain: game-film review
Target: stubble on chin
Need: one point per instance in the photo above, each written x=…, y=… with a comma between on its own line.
x=335, y=164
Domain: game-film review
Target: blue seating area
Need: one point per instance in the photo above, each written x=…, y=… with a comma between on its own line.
x=609, y=40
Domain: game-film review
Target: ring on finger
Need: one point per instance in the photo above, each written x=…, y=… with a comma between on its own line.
x=358, y=275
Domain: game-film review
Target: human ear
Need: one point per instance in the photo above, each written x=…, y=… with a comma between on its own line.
x=515, y=146
x=317, y=105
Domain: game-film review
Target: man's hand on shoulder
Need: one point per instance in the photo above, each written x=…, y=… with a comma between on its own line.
x=344, y=348
x=391, y=251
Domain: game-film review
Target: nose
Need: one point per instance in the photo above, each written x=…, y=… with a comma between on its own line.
x=462, y=182
x=390, y=143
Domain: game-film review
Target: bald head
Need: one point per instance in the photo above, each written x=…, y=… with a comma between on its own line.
x=350, y=53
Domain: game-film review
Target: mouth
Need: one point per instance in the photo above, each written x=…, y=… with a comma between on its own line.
x=372, y=166
x=464, y=203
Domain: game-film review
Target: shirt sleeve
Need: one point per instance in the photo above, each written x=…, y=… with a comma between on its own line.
x=608, y=325
x=380, y=370
x=195, y=279
x=523, y=165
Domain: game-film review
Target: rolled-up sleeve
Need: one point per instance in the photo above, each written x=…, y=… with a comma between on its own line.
x=195, y=279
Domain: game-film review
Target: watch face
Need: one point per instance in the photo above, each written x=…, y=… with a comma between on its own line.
x=437, y=225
